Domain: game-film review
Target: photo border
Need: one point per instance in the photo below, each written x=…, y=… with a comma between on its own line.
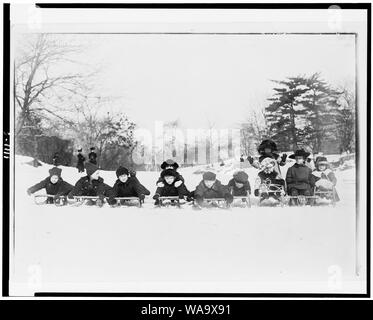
x=6, y=136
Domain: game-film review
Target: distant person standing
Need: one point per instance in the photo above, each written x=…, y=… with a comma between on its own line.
x=81, y=159
x=56, y=159
x=92, y=156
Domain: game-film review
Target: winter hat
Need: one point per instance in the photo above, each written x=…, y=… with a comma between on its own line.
x=92, y=148
x=80, y=150
x=168, y=172
x=91, y=168
x=121, y=171
x=240, y=177
x=209, y=176
x=321, y=160
x=55, y=172
x=300, y=153
x=267, y=144
x=169, y=162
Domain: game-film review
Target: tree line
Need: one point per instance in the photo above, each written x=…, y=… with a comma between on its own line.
x=58, y=110
x=304, y=112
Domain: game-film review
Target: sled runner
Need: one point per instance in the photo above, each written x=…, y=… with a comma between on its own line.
x=243, y=201
x=169, y=201
x=128, y=201
x=301, y=200
x=49, y=199
x=220, y=203
x=330, y=195
x=89, y=200
x=271, y=195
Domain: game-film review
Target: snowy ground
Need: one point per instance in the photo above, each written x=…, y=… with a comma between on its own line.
x=181, y=250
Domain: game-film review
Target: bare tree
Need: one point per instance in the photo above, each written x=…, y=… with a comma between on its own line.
x=253, y=130
x=345, y=120
x=40, y=93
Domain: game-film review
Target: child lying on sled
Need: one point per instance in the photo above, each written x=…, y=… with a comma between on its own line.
x=239, y=185
x=171, y=186
x=53, y=185
x=126, y=186
x=169, y=164
x=91, y=185
x=269, y=184
x=210, y=188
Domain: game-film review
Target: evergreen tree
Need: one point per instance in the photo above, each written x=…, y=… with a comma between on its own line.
x=320, y=103
x=285, y=115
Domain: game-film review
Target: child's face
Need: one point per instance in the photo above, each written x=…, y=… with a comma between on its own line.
x=169, y=179
x=299, y=160
x=322, y=167
x=209, y=183
x=267, y=150
x=268, y=169
x=95, y=175
x=239, y=185
x=123, y=178
x=54, y=179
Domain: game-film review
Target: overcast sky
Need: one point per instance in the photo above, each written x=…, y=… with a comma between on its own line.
x=209, y=78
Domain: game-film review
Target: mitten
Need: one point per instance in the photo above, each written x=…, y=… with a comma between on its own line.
x=178, y=183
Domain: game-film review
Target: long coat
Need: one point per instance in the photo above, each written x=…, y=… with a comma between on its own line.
x=92, y=156
x=80, y=164
x=61, y=188
x=272, y=177
x=300, y=177
x=244, y=191
x=216, y=191
x=86, y=187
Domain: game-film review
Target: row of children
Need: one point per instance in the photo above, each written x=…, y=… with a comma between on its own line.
x=300, y=180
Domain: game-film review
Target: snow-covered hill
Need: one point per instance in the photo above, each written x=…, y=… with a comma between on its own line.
x=182, y=250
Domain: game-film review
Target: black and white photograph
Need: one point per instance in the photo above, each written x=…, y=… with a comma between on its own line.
x=198, y=151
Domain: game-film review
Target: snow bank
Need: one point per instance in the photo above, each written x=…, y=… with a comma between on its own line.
x=181, y=250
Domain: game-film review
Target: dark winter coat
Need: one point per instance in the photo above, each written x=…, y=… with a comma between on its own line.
x=143, y=189
x=85, y=187
x=130, y=188
x=237, y=192
x=216, y=191
x=273, y=177
x=170, y=190
x=300, y=177
x=80, y=164
x=56, y=159
x=61, y=188
x=92, y=156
